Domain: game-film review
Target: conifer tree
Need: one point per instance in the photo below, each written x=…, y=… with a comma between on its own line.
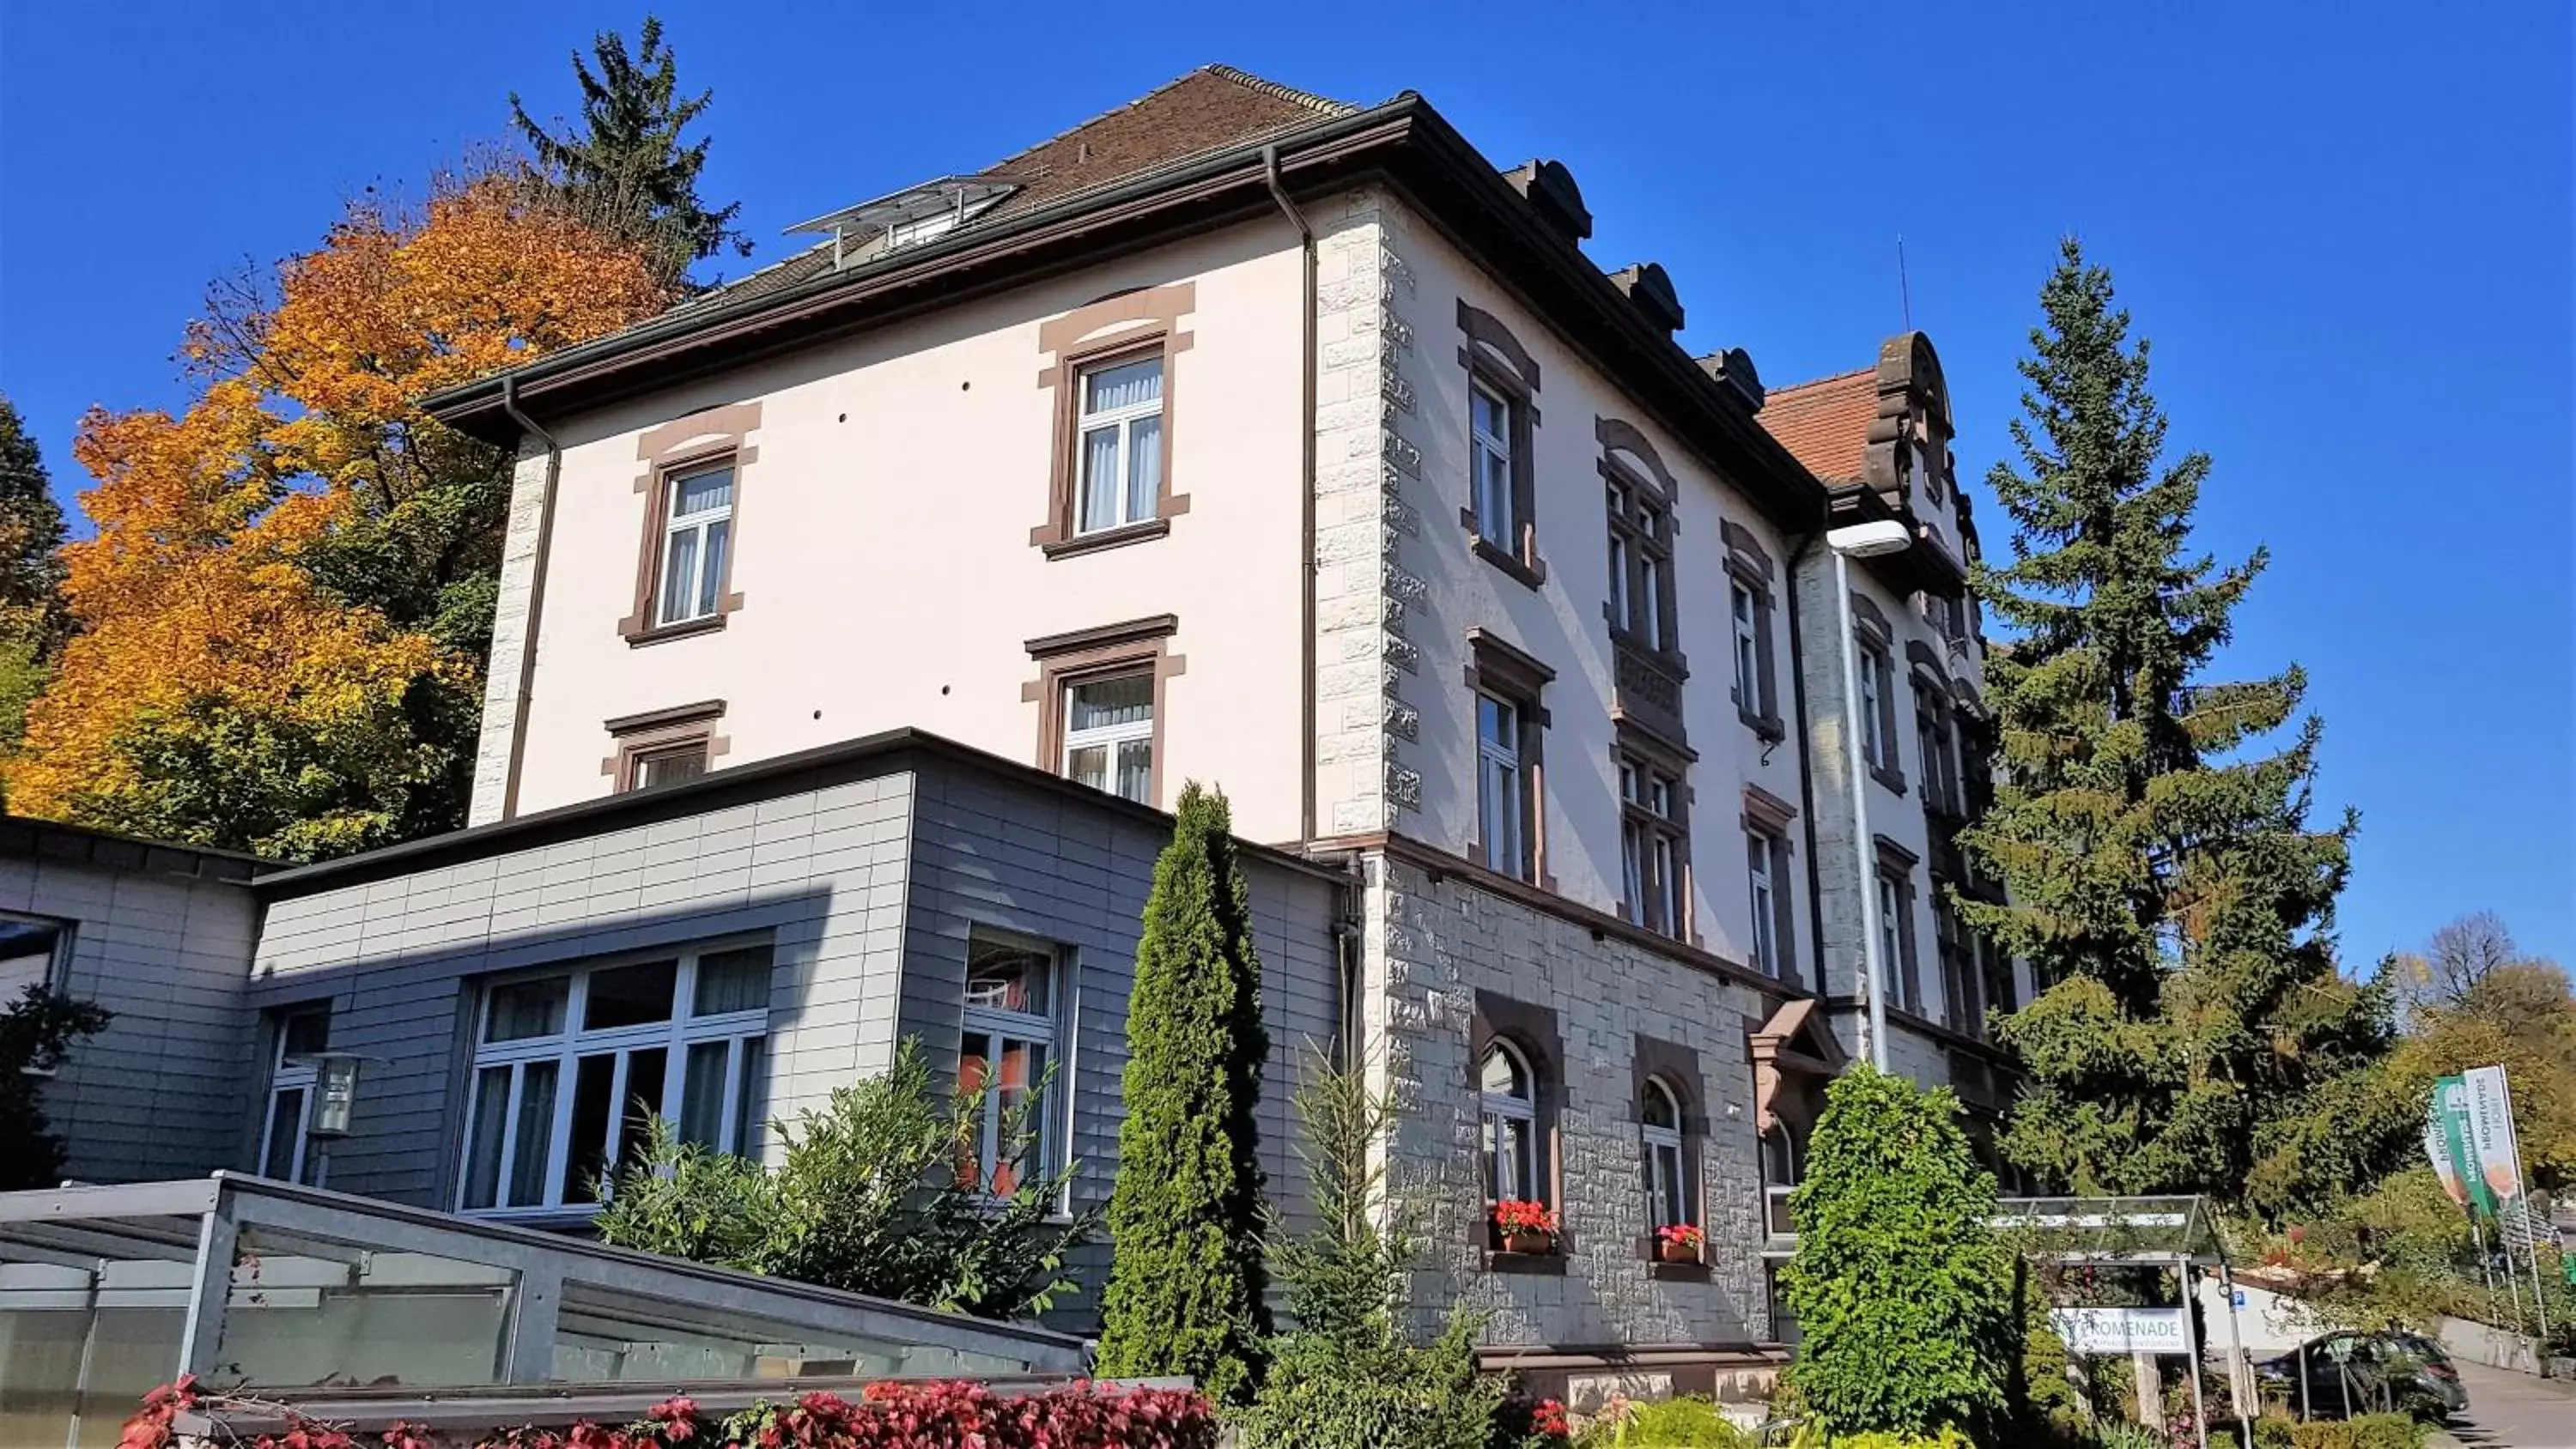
x=1186, y=1278
x=626, y=171
x=32, y=617
x=2162, y=869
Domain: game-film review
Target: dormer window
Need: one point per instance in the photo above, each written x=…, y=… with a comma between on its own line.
x=905, y=218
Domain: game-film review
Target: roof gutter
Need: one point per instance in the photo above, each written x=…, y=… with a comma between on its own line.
x=1306, y=807
x=526, y=684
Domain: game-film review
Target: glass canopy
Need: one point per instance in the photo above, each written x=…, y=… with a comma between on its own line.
x=292, y=1292
x=2109, y=1230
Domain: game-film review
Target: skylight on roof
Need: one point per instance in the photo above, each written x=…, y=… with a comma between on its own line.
x=905, y=218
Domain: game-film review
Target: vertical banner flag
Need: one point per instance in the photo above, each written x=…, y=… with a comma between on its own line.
x=2499, y=1157
x=2437, y=1149
x=2451, y=1101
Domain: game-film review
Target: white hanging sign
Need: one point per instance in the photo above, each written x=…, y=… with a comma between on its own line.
x=2120, y=1330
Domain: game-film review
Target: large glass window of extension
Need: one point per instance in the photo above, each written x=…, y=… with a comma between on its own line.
x=1109, y=734
x=285, y=1139
x=1121, y=446
x=571, y=1066
x=1509, y=1097
x=1668, y=1194
x=1651, y=847
x=1006, y=1049
x=1489, y=446
x=696, y=533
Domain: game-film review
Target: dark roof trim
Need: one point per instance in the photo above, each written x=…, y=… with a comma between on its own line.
x=1008, y=251
x=25, y=838
x=1404, y=141
x=814, y=769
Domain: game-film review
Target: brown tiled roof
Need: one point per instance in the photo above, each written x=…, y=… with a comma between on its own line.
x=1825, y=423
x=1210, y=108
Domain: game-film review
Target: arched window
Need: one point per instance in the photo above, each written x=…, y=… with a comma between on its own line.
x=1668, y=1195
x=1784, y=1161
x=1510, y=1108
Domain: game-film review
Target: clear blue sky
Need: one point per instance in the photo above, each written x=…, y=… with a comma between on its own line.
x=2346, y=230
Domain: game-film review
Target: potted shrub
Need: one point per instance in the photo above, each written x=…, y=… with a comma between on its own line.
x=1525, y=1226
x=1680, y=1243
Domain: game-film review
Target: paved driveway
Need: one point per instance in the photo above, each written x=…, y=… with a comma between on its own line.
x=2516, y=1411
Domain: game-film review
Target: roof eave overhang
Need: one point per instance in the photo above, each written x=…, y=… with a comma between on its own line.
x=1403, y=140
x=971, y=262
x=1924, y=564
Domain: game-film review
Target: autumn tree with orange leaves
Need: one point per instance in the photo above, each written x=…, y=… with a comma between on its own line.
x=283, y=621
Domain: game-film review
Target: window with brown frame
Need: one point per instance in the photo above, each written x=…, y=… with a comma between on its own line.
x=1896, y=941
x=1641, y=604
x=1749, y=607
x=692, y=485
x=664, y=746
x=1672, y=1131
x=1960, y=982
x=1769, y=893
x=1934, y=747
x=1516, y=1068
x=1115, y=397
x=1502, y=416
x=1504, y=687
x=1654, y=842
x=1100, y=695
x=1876, y=641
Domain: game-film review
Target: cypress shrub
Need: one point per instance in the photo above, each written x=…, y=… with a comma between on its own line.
x=1186, y=1278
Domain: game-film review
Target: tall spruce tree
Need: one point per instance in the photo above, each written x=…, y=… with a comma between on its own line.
x=2162, y=869
x=1186, y=1278
x=32, y=616
x=626, y=170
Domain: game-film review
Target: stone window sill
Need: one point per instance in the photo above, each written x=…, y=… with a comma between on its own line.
x=1542, y=1265
x=1768, y=726
x=1892, y=779
x=686, y=629
x=1528, y=575
x=1107, y=538
x=1665, y=1272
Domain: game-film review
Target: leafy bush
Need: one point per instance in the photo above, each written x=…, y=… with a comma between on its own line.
x=949, y=1415
x=35, y=1031
x=867, y=1199
x=2366, y=1431
x=2117, y=1434
x=1945, y=1439
x=1347, y=1378
x=1682, y=1423
x=1902, y=1293
x=1186, y=1283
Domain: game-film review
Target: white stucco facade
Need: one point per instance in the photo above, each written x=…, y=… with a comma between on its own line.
x=881, y=546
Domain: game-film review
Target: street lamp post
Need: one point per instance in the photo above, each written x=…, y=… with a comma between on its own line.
x=1863, y=540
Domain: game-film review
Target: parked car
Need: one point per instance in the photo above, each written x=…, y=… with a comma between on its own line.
x=2349, y=1373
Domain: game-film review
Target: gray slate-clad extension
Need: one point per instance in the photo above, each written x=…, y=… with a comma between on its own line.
x=866, y=864
x=157, y=934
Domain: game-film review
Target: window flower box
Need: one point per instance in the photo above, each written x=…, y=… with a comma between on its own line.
x=1681, y=1243
x=1525, y=1227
